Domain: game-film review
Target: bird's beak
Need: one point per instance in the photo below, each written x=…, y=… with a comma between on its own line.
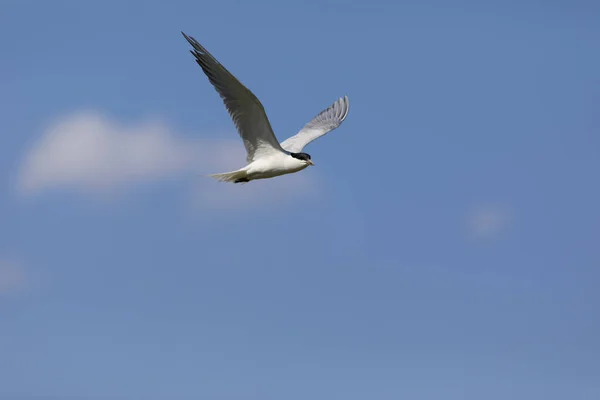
x=310, y=162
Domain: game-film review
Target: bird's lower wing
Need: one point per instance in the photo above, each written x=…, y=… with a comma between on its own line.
x=326, y=121
x=246, y=111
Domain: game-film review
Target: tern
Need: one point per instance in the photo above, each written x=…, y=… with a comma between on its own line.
x=266, y=157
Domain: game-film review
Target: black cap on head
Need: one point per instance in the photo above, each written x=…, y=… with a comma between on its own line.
x=300, y=156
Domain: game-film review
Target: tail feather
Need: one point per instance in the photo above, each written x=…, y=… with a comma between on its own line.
x=238, y=176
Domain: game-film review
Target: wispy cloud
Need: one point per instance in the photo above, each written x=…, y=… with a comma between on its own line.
x=486, y=221
x=91, y=153
x=12, y=277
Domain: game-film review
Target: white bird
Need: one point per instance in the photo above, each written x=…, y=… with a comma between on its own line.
x=266, y=157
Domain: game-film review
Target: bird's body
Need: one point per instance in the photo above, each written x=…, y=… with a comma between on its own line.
x=266, y=157
x=270, y=166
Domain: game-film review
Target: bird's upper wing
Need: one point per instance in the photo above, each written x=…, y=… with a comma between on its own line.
x=246, y=111
x=326, y=121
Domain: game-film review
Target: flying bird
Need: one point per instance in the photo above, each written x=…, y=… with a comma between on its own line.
x=266, y=157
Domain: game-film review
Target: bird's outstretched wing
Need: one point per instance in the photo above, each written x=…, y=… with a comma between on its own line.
x=326, y=121
x=246, y=111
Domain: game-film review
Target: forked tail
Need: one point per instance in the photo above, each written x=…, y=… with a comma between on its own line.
x=238, y=176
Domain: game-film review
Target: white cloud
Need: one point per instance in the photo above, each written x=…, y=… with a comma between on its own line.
x=488, y=220
x=12, y=277
x=91, y=153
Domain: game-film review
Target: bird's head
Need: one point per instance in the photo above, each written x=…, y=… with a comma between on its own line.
x=302, y=157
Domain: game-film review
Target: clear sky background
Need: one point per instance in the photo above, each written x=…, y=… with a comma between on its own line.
x=445, y=246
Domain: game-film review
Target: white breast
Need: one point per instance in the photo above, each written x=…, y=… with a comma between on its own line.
x=274, y=165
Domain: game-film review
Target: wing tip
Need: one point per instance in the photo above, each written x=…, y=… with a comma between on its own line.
x=344, y=107
x=199, y=51
x=190, y=39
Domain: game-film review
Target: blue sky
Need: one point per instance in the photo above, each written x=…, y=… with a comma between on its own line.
x=445, y=245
